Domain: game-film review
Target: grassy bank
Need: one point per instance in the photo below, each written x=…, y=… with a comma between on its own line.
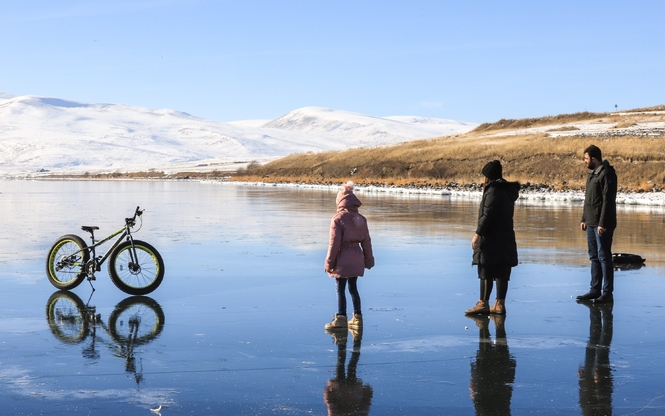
x=527, y=157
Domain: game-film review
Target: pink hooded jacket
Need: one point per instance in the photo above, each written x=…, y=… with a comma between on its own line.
x=350, y=249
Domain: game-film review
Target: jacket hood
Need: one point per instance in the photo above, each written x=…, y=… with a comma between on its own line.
x=603, y=170
x=606, y=167
x=349, y=202
x=512, y=189
x=346, y=199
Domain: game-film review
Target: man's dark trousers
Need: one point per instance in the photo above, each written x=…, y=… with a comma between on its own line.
x=600, y=254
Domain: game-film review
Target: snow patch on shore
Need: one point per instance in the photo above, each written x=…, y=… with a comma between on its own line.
x=646, y=201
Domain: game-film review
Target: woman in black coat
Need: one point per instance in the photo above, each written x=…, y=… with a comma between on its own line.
x=494, y=246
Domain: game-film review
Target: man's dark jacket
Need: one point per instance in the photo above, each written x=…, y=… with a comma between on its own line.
x=495, y=225
x=600, y=208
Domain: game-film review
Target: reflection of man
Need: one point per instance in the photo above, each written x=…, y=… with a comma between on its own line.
x=493, y=372
x=346, y=394
x=599, y=220
x=596, y=385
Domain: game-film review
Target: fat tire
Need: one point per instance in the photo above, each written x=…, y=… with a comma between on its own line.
x=73, y=274
x=65, y=316
x=143, y=311
x=140, y=282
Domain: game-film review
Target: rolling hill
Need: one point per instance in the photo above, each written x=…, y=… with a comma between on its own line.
x=46, y=135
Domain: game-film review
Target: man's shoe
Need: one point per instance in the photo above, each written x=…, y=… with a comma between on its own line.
x=588, y=296
x=604, y=298
x=482, y=308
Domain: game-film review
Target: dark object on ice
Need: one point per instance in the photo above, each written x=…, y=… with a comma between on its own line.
x=625, y=261
x=623, y=258
x=628, y=266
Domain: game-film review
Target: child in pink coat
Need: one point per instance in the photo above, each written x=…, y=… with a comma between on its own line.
x=349, y=254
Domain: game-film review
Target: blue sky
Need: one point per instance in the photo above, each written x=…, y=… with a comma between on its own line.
x=234, y=60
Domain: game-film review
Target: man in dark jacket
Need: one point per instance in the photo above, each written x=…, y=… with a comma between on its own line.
x=494, y=246
x=599, y=219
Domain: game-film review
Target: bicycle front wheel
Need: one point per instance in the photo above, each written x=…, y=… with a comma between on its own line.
x=136, y=270
x=66, y=261
x=136, y=320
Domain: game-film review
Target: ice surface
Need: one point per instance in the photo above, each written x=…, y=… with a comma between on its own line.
x=245, y=299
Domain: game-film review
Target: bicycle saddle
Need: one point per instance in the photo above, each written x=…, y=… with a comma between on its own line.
x=89, y=228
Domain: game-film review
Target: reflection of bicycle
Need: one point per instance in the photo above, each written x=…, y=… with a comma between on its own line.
x=135, y=267
x=137, y=320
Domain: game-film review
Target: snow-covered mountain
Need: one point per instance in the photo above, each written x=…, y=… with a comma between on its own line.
x=367, y=130
x=60, y=136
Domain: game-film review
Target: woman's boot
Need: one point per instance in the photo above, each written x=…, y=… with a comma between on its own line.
x=499, y=307
x=481, y=308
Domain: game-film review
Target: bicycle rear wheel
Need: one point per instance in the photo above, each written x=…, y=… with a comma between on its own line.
x=66, y=261
x=136, y=276
x=65, y=316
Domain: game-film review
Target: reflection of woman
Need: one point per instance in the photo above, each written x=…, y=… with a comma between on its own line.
x=494, y=247
x=346, y=394
x=493, y=371
x=596, y=386
x=349, y=253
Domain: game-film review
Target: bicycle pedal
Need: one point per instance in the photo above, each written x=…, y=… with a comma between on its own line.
x=92, y=277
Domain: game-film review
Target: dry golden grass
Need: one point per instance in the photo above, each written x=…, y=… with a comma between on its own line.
x=646, y=109
x=511, y=124
x=565, y=128
x=624, y=124
x=535, y=158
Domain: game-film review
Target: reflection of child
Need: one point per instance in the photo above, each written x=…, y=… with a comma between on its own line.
x=349, y=253
x=346, y=394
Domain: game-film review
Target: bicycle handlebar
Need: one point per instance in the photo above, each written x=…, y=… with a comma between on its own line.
x=131, y=221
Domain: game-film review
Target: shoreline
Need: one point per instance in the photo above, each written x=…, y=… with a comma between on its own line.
x=529, y=195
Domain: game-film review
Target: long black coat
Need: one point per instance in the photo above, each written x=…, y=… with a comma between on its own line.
x=495, y=225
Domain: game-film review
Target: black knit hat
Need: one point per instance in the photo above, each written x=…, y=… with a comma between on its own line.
x=493, y=170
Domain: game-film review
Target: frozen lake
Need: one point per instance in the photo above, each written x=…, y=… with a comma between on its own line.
x=236, y=328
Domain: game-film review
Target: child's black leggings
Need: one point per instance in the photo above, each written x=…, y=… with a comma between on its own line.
x=341, y=296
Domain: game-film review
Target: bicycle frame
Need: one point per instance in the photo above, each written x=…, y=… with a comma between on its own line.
x=98, y=261
x=95, y=262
